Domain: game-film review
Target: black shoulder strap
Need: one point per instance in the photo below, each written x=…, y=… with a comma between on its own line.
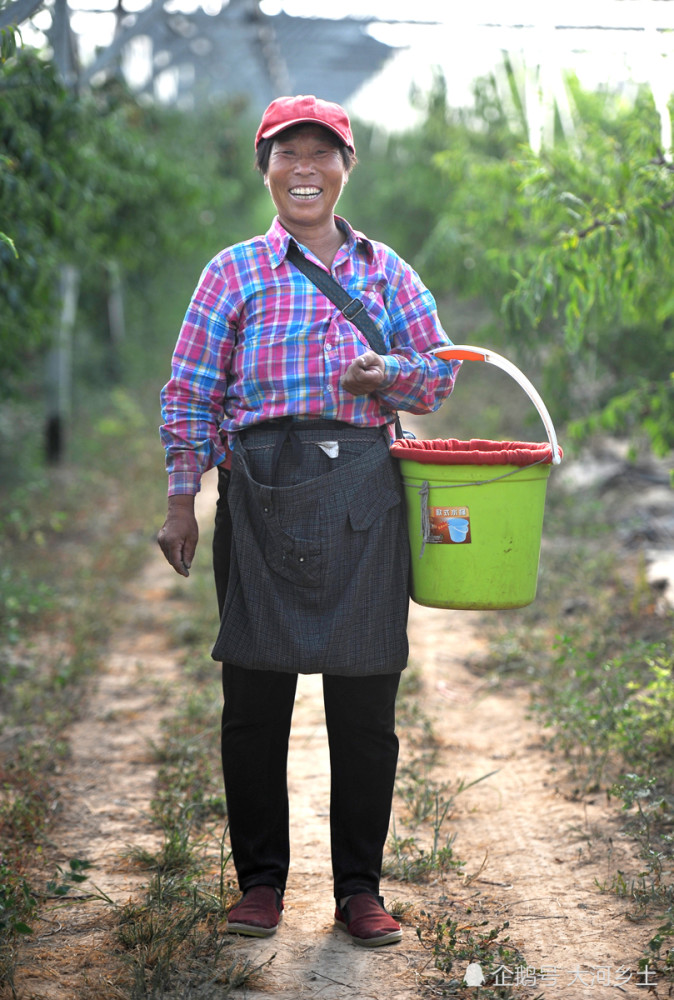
x=352, y=309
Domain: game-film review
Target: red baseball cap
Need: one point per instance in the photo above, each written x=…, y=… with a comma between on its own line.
x=285, y=112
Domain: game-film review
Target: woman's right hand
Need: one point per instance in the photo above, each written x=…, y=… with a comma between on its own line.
x=179, y=534
x=364, y=375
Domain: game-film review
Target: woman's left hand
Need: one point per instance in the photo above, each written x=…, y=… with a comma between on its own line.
x=364, y=374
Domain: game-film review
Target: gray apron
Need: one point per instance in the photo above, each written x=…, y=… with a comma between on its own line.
x=319, y=560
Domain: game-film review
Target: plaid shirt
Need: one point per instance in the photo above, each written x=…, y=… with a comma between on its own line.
x=260, y=341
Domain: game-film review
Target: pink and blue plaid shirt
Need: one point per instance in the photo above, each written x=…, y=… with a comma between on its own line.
x=259, y=341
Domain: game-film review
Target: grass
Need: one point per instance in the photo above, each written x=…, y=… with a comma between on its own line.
x=456, y=944
x=172, y=940
x=596, y=651
x=74, y=533
x=67, y=537
x=423, y=853
x=172, y=937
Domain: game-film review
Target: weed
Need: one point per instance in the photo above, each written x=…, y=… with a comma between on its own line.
x=658, y=955
x=457, y=944
x=430, y=855
x=17, y=902
x=419, y=792
x=615, y=709
x=411, y=862
x=17, y=909
x=172, y=939
x=176, y=854
x=22, y=602
x=68, y=541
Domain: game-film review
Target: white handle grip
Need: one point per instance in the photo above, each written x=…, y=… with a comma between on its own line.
x=461, y=352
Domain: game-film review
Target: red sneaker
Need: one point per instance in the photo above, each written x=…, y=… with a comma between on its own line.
x=258, y=913
x=364, y=918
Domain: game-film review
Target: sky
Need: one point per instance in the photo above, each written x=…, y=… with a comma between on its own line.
x=606, y=42
x=603, y=41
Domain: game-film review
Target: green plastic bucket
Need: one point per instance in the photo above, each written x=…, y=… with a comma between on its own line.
x=475, y=510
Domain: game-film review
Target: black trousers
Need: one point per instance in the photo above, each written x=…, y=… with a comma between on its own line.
x=256, y=720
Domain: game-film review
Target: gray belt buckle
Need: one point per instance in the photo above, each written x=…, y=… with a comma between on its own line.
x=352, y=308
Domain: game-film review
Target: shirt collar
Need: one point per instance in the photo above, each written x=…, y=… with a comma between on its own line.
x=277, y=239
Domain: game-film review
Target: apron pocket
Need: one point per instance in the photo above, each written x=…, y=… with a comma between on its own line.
x=297, y=560
x=365, y=507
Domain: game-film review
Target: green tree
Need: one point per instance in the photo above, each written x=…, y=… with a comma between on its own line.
x=39, y=129
x=589, y=291
x=96, y=181
x=400, y=193
x=569, y=249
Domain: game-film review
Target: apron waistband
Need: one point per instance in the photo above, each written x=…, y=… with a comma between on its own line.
x=288, y=430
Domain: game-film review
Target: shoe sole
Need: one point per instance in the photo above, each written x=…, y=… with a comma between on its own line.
x=250, y=930
x=392, y=938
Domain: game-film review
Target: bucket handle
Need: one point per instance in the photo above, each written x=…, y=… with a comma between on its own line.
x=461, y=352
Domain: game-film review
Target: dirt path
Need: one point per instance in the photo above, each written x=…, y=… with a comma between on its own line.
x=532, y=855
x=538, y=853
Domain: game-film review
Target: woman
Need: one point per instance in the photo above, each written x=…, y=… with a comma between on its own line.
x=310, y=549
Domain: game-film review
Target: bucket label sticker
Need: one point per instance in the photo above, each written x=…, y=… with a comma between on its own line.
x=449, y=525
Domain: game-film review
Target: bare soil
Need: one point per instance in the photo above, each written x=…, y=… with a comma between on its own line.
x=533, y=853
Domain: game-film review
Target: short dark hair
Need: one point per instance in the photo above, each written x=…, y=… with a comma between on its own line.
x=263, y=151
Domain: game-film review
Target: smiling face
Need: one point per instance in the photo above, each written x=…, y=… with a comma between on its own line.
x=305, y=177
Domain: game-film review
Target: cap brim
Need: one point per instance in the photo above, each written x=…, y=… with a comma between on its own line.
x=269, y=133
